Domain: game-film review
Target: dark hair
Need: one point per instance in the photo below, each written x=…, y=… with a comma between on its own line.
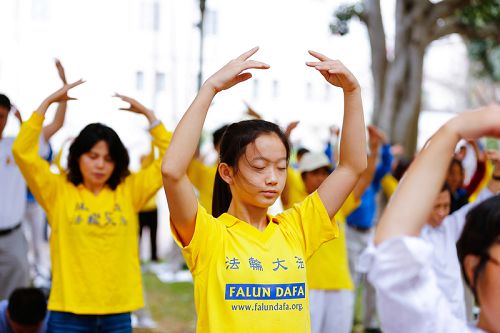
x=457, y=162
x=233, y=145
x=301, y=152
x=5, y=102
x=218, y=134
x=481, y=231
x=446, y=187
x=27, y=306
x=84, y=142
x=401, y=168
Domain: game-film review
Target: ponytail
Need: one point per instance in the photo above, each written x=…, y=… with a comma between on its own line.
x=221, y=197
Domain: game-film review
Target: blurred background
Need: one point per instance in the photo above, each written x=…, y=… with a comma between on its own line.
x=418, y=62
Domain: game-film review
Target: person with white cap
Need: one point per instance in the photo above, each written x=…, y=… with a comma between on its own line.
x=331, y=289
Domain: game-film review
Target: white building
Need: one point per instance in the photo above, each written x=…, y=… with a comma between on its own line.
x=148, y=49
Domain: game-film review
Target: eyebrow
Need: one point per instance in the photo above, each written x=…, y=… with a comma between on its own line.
x=262, y=158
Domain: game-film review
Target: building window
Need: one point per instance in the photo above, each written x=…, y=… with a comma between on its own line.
x=211, y=22
x=139, y=80
x=39, y=10
x=150, y=15
x=328, y=89
x=255, y=88
x=159, y=81
x=276, y=89
x=309, y=92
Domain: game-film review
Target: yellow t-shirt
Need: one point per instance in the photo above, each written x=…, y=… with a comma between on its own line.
x=246, y=280
x=203, y=178
x=94, y=239
x=328, y=268
x=389, y=185
x=295, y=187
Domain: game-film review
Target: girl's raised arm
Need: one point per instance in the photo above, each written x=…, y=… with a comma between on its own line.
x=353, y=157
x=181, y=198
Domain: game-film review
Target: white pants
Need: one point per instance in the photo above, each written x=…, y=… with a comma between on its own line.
x=35, y=223
x=357, y=241
x=332, y=311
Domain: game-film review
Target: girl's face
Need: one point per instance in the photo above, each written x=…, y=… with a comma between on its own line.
x=488, y=290
x=96, y=165
x=261, y=174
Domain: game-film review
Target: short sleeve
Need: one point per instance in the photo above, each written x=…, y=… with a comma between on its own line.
x=408, y=297
x=349, y=205
x=208, y=234
x=310, y=221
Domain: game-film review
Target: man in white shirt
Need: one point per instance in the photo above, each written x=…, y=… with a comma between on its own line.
x=13, y=247
x=14, y=267
x=442, y=231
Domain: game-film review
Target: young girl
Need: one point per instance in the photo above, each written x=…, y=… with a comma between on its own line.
x=249, y=267
x=400, y=266
x=92, y=211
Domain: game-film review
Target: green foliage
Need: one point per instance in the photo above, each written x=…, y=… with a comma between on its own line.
x=342, y=16
x=483, y=15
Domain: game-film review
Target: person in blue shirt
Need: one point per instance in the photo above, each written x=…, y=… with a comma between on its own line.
x=24, y=312
x=361, y=222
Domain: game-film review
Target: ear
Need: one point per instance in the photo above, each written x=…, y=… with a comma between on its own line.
x=226, y=172
x=470, y=264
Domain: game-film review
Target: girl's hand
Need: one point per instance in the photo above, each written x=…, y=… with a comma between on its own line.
x=232, y=73
x=334, y=72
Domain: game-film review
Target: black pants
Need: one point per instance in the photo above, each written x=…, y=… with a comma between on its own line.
x=150, y=219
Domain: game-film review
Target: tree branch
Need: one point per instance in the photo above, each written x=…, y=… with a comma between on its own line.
x=453, y=25
x=444, y=9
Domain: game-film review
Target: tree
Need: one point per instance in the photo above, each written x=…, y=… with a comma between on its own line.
x=398, y=81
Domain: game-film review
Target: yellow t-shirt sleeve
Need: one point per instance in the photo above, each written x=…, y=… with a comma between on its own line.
x=295, y=188
x=144, y=184
x=349, y=205
x=389, y=185
x=207, y=236
x=310, y=221
x=197, y=172
x=36, y=171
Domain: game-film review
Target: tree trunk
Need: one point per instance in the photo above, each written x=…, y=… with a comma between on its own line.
x=400, y=107
x=376, y=34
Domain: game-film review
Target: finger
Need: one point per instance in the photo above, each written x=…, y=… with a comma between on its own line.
x=318, y=55
x=125, y=109
x=254, y=64
x=74, y=84
x=314, y=63
x=248, y=53
x=243, y=77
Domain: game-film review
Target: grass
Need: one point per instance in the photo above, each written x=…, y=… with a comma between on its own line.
x=171, y=305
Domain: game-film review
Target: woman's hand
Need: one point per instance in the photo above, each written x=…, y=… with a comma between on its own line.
x=334, y=72
x=61, y=95
x=136, y=107
x=232, y=73
x=60, y=71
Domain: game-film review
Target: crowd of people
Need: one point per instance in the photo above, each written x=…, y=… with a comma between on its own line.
x=410, y=236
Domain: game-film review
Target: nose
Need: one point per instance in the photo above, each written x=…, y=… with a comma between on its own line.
x=100, y=162
x=272, y=177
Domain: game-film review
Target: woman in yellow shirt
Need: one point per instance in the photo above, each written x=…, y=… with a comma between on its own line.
x=249, y=267
x=92, y=211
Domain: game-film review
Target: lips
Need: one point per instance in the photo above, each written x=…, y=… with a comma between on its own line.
x=99, y=175
x=270, y=193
